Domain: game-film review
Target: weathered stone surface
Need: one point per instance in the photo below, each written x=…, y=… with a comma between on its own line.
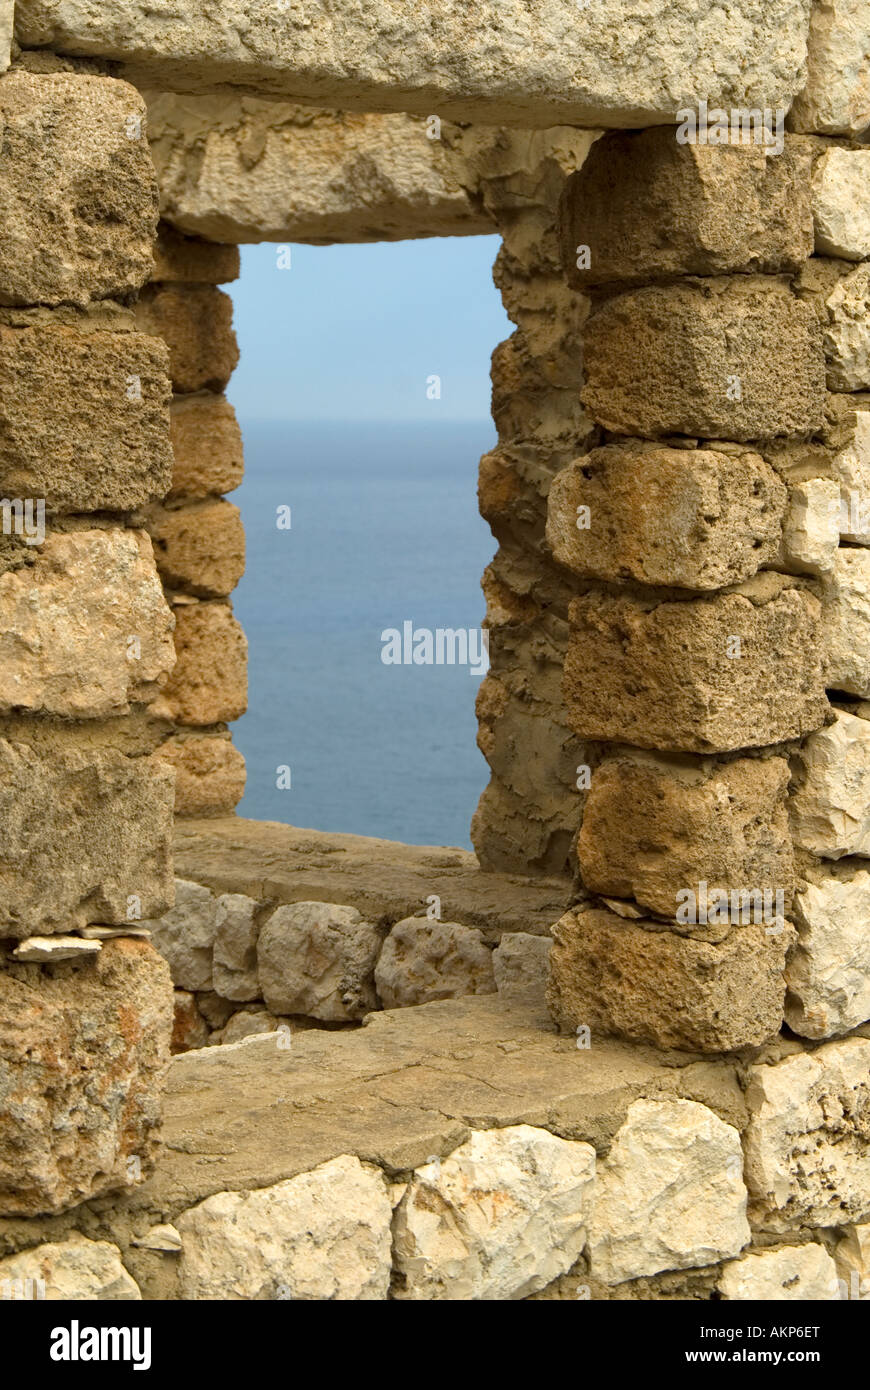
x=811, y=532
x=206, y=447
x=841, y=203
x=670, y=1193
x=163, y=1238
x=45, y=950
x=847, y=622
x=736, y=670
x=86, y=837
x=556, y=65
x=7, y=25
x=653, y=827
x=84, y=417
x=83, y=1047
x=209, y=683
x=846, y=331
x=247, y=1023
x=189, y=259
x=644, y=980
x=85, y=630
x=828, y=973
x=78, y=195
x=240, y=169
x=199, y=549
x=209, y=774
x=830, y=808
x=689, y=518
x=728, y=358
x=189, y=1028
x=318, y=959
x=836, y=99
x=500, y=1218
x=804, y=1273
x=235, y=948
x=423, y=960
x=322, y=1235
x=647, y=208
x=852, y=1259
x=195, y=321
x=77, y=1270
x=521, y=962
x=185, y=935
x=806, y=1144
x=852, y=466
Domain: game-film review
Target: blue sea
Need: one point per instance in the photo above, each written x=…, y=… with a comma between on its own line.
x=384, y=529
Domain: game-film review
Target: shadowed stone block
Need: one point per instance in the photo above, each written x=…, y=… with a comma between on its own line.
x=189, y=259
x=199, y=549
x=196, y=322
x=206, y=447
x=210, y=681
x=209, y=774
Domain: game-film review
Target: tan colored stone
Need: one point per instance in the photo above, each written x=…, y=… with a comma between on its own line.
x=83, y=1049
x=318, y=959
x=648, y=207
x=841, y=203
x=209, y=774
x=190, y=259
x=196, y=322
x=84, y=417
x=847, y=331
x=78, y=195
x=206, y=447
x=210, y=682
x=830, y=807
x=811, y=532
x=852, y=468
x=521, y=962
x=422, y=960
x=828, y=973
x=645, y=981
x=670, y=675
x=836, y=98
x=189, y=1028
x=7, y=25
x=690, y=518
x=803, y=1273
x=48, y=950
x=847, y=622
x=235, y=948
x=726, y=358
x=199, y=549
x=74, y=1270
x=653, y=827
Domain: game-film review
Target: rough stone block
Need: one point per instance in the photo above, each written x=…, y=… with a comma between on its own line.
x=185, y=935
x=206, y=447
x=828, y=973
x=836, y=98
x=644, y=980
x=500, y=1218
x=189, y=259
x=846, y=331
x=84, y=630
x=84, y=417
x=318, y=959
x=423, y=960
x=852, y=468
x=669, y=1195
x=847, y=622
x=521, y=962
x=690, y=518
x=196, y=323
x=736, y=670
x=806, y=1143
x=78, y=193
x=801, y=1273
x=852, y=1258
x=74, y=1270
x=7, y=26
x=653, y=827
x=841, y=203
x=189, y=1028
x=209, y=774
x=83, y=1050
x=648, y=208
x=210, y=681
x=235, y=948
x=729, y=358
x=199, y=549
x=811, y=531
x=830, y=808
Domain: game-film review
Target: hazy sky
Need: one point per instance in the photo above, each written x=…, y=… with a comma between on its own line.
x=355, y=332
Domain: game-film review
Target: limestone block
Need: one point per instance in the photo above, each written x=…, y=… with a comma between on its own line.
x=528, y=409
x=521, y=962
x=830, y=808
x=811, y=531
x=47, y=950
x=190, y=259
x=836, y=98
x=185, y=935
x=852, y=1259
x=643, y=980
x=555, y=65
x=199, y=548
x=852, y=467
x=800, y=1273
x=7, y=25
x=196, y=323
x=847, y=622
x=729, y=358
x=235, y=948
x=85, y=630
x=735, y=670
x=806, y=1144
x=847, y=331
x=86, y=836
x=206, y=447
x=653, y=827
x=423, y=960
x=83, y=1050
x=210, y=681
x=841, y=203
x=828, y=973
x=76, y=1270
x=500, y=1218
x=324, y=1235
x=84, y=417
x=189, y=1028
x=318, y=959
x=669, y=1195
x=648, y=207
x=247, y=1023
x=78, y=194
x=239, y=169
x=209, y=774
x=689, y=518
